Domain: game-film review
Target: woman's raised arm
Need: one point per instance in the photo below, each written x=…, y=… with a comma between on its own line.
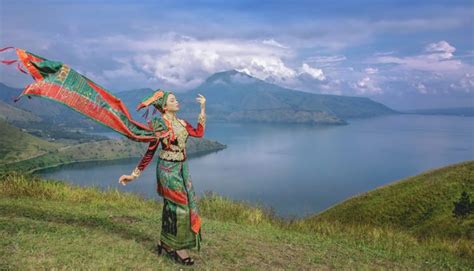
x=201, y=126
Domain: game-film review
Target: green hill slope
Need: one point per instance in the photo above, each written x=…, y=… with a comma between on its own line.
x=47, y=224
x=420, y=204
x=16, y=145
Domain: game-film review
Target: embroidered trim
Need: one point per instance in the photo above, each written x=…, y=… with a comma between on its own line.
x=167, y=169
x=175, y=150
x=172, y=155
x=182, y=136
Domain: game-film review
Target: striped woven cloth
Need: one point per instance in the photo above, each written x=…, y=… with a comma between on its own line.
x=57, y=81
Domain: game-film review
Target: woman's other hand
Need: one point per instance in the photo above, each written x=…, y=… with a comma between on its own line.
x=124, y=179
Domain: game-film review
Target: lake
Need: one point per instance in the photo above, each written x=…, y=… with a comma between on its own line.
x=300, y=169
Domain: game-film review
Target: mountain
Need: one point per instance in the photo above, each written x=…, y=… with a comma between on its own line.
x=236, y=96
x=452, y=111
x=13, y=114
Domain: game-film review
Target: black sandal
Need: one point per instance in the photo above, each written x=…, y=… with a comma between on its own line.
x=173, y=254
x=186, y=261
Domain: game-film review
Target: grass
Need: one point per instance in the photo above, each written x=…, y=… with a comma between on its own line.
x=421, y=204
x=16, y=145
x=49, y=224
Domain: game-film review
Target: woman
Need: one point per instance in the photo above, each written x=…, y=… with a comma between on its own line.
x=180, y=219
x=59, y=82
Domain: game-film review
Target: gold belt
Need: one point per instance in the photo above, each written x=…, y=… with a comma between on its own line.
x=172, y=155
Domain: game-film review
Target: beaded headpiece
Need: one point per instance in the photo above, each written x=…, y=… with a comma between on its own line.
x=158, y=99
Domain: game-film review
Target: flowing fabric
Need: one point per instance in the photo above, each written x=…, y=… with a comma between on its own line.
x=58, y=82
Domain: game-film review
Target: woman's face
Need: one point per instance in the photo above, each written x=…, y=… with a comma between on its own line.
x=172, y=104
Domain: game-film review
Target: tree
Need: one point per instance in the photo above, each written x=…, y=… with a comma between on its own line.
x=463, y=207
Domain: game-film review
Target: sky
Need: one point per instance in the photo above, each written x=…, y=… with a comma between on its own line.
x=404, y=54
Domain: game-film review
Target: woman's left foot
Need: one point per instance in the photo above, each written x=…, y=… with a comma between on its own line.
x=180, y=256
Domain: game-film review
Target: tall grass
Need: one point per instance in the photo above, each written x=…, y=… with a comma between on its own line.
x=213, y=206
x=20, y=185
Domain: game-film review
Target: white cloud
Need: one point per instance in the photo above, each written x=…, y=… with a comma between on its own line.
x=440, y=50
x=371, y=70
x=367, y=86
x=124, y=70
x=421, y=88
x=184, y=62
x=437, y=59
x=326, y=59
x=465, y=83
x=437, y=66
x=314, y=72
x=273, y=42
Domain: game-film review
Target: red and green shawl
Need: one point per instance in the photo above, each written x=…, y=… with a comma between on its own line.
x=59, y=82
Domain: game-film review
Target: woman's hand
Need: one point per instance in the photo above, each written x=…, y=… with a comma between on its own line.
x=202, y=101
x=124, y=179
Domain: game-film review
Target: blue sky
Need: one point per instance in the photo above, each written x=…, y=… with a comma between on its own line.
x=405, y=54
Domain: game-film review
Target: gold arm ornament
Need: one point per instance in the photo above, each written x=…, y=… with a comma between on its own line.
x=136, y=173
x=202, y=119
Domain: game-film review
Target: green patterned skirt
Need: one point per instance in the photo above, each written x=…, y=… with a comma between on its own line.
x=181, y=223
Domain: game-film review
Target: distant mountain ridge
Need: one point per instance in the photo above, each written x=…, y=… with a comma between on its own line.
x=231, y=96
x=236, y=96
x=11, y=113
x=451, y=111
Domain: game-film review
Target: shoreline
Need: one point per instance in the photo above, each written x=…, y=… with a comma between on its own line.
x=32, y=171
x=35, y=170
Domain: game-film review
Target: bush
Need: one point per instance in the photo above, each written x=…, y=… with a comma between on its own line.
x=463, y=207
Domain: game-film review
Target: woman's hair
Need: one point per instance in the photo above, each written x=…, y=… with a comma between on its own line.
x=162, y=111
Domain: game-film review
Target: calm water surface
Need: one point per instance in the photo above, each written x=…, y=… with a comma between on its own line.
x=298, y=169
